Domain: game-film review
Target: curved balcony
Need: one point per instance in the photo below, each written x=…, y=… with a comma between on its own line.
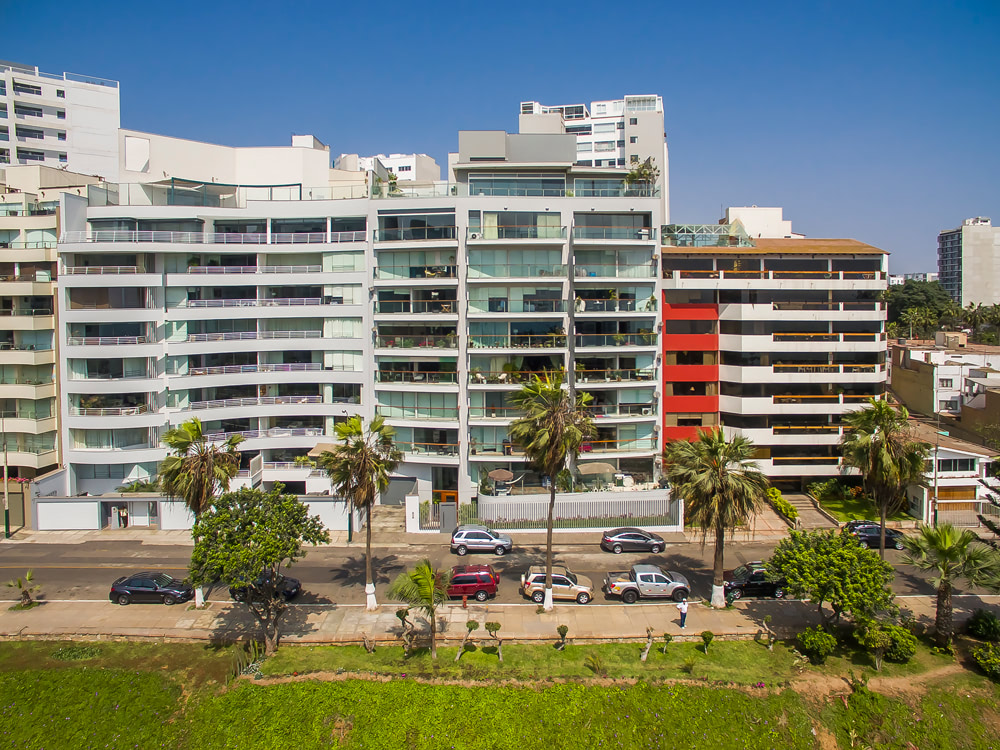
x=115, y=411
x=273, y=432
x=108, y=340
x=254, y=401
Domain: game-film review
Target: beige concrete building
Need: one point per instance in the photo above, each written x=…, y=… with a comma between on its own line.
x=969, y=262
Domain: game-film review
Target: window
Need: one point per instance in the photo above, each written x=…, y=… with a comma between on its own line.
x=27, y=88
x=60, y=94
x=604, y=146
x=633, y=139
x=62, y=158
x=621, y=162
x=633, y=121
x=404, y=168
x=20, y=109
x=944, y=405
x=946, y=383
x=621, y=124
x=633, y=159
x=61, y=136
x=26, y=155
x=583, y=146
x=60, y=113
x=29, y=133
x=604, y=127
x=956, y=464
x=600, y=109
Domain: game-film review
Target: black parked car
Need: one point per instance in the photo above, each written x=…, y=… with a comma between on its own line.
x=150, y=587
x=631, y=540
x=751, y=580
x=867, y=534
x=286, y=587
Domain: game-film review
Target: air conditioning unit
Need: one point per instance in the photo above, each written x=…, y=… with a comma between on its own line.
x=474, y=235
x=646, y=411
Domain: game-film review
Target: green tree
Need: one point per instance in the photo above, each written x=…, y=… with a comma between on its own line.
x=832, y=569
x=244, y=539
x=877, y=443
x=721, y=488
x=974, y=316
x=919, y=319
x=929, y=294
x=551, y=432
x=141, y=485
x=197, y=469
x=951, y=555
x=425, y=588
x=359, y=469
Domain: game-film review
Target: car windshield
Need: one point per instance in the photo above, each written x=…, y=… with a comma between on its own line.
x=571, y=577
x=741, y=572
x=492, y=533
x=162, y=579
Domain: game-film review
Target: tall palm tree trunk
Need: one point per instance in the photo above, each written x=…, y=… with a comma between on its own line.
x=943, y=616
x=883, y=510
x=547, y=605
x=434, y=645
x=718, y=590
x=370, y=603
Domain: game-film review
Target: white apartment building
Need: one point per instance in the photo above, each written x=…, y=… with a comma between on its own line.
x=62, y=120
x=775, y=339
x=406, y=167
x=938, y=379
x=896, y=279
x=762, y=222
x=969, y=262
x=29, y=228
x=277, y=309
x=921, y=276
x=616, y=133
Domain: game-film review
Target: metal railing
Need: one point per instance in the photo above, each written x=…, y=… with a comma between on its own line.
x=407, y=376
x=25, y=311
x=272, y=432
x=618, y=446
x=38, y=245
x=808, y=398
x=428, y=449
x=414, y=341
x=826, y=368
x=252, y=302
x=250, y=335
x=517, y=306
x=622, y=410
x=517, y=341
x=106, y=340
x=615, y=270
x=814, y=460
x=416, y=233
x=389, y=307
x=515, y=270
x=615, y=305
x=244, y=369
x=516, y=232
x=771, y=275
x=391, y=411
x=111, y=411
x=614, y=233
x=806, y=429
x=253, y=401
x=502, y=377
x=615, y=339
x=101, y=270
x=212, y=238
x=27, y=212
x=404, y=190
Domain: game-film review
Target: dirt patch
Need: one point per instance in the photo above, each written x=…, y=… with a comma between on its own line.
x=912, y=687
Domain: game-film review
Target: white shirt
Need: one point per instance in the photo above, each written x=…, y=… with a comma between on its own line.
x=683, y=606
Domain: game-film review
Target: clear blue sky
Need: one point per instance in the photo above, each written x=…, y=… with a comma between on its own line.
x=876, y=119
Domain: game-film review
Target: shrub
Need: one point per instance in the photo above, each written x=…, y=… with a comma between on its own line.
x=988, y=659
x=707, y=636
x=984, y=624
x=781, y=505
x=828, y=490
x=904, y=644
x=816, y=644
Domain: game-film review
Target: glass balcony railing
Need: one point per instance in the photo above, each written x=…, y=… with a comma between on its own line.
x=502, y=377
x=517, y=341
x=622, y=410
x=213, y=238
x=393, y=272
x=421, y=378
x=583, y=269
x=605, y=305
x=106, y=340
x=494, y=412
x=612, y=375
x=414, y=341
x=618, y=446
x=444, y=307
x=428, y=449
x=110, y=411
x=415, y=234
x=484, y=307
x=616, y=339
x=515, y=270
x=391, y=411
x=527, y=232
x=614, y=233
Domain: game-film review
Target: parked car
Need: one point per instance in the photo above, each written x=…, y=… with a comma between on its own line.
x=286, y=587
x=751, y=580
x=474, y=538
x=647, y=582
x=867, y=534
x=150, y=587
x=629, y=539
x=565, y=585
x=478, y=582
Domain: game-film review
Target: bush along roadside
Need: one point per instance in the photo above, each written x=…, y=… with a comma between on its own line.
x=780, y=505
x=985, y=625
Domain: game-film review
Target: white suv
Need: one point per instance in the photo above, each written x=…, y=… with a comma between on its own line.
x=473, y=538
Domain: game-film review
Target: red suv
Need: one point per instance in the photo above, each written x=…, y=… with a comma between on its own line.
x=478, y=582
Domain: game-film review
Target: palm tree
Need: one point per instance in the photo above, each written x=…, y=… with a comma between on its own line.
x=974, y=315
x=197, y=470
x=359, y=469
x=949, y=554
x=426, y=588
x=553, y=428
x=920, y=318
x=877, y=443
x=140, y=485
x=722, y=488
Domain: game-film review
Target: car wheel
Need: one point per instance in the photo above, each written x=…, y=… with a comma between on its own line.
x=482, y=596
x=460, y=550
x=500, y=551
x=655, y=549
x=680, y=594
x=168, y=599
x=863, y=543
x=779, y=593
x=736, y=593
x=582, y=598
x=538, y=597
x=124, y=599
x=617, y=549
x=630, y=597
x=898, y=544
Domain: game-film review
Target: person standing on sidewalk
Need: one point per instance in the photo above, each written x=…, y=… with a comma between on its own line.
x=683, y=609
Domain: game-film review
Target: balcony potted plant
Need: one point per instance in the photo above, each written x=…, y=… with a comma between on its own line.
x=647, y=335
x=580, y=372
x=473, y=445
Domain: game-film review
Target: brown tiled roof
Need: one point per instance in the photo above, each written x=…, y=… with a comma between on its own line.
x=806, y=245
x=927, y=433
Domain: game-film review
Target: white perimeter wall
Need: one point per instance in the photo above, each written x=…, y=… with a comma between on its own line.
x=175, y=515
x=54, y=515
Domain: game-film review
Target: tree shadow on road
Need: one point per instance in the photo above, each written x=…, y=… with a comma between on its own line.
x=352, y=571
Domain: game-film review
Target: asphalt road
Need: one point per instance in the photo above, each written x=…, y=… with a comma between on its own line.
x=336, y=574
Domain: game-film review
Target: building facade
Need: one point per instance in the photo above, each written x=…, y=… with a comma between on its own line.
x=969, y=262
x=775, y=339
x=59, y=120
x=406, y=167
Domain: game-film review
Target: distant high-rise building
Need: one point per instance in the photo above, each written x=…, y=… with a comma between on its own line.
x=924, y=276
x=969, y=262
x=62, y=120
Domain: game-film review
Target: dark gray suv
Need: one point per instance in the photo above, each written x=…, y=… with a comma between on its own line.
x=473, y=538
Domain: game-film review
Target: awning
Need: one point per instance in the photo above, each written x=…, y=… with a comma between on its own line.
x=596, y=467
x=320, y=449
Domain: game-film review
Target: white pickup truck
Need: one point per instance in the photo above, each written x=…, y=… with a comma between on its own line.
x=647, y=582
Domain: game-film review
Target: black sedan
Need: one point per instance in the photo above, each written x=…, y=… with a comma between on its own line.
x=751, y=580
x=631, y=540
x=867, y=534
x=285, y=587
x=150, y=587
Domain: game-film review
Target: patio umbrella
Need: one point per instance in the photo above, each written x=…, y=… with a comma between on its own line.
x=320, y=449
x=597, y=467
x=501, y=475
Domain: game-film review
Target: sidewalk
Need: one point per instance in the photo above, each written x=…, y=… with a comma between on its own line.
x=345, y=623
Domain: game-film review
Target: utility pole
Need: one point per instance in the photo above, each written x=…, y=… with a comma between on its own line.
x=6, y=496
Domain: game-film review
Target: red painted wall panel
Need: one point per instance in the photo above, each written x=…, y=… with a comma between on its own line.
x=691, y=373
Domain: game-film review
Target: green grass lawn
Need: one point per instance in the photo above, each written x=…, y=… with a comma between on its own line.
x=124, y=695
x=849, y=508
